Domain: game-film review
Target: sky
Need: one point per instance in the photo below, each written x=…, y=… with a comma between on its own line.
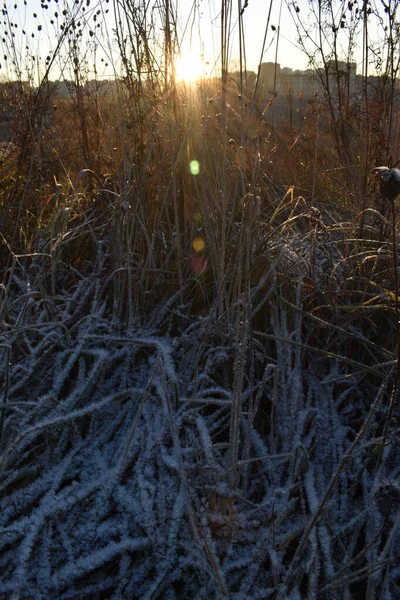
x=198, y=24
x=255, y=18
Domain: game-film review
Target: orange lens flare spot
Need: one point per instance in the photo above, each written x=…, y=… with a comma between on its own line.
x=198, y=244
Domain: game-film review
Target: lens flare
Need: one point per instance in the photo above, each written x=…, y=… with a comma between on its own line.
x=199, y=264
x=198, y=244
x=194, y=167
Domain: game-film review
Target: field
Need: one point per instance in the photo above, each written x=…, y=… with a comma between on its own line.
x=199, y=317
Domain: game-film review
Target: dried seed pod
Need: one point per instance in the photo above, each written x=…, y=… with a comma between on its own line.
x=389, y=182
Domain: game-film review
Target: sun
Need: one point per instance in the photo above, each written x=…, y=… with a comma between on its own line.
x=188, y=67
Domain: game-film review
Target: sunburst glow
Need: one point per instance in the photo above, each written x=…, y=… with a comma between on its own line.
x=188, y=67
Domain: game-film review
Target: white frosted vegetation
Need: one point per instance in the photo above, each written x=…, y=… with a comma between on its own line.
x=116, y=456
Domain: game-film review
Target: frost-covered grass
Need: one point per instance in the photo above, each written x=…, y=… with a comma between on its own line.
x=186, y=455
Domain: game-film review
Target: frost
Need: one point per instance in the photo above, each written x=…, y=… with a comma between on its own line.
x=117, y=452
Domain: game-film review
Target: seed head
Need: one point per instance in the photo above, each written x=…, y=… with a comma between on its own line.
x=389, y=181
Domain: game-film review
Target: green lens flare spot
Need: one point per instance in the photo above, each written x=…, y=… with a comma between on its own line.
x=194, y=167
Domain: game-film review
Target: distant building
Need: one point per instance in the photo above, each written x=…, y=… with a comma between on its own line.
x=298, y=83
x=94, y=87
x=342, y=67
x=63, y=89
x=273, y=78
x=341, y=74
x=268, y=81
x=269, y=75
